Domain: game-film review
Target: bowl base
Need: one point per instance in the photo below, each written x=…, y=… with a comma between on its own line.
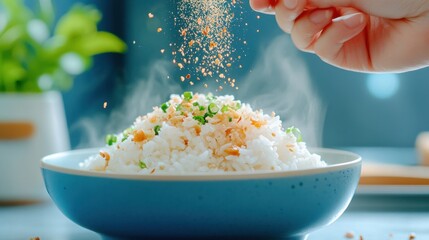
x=301, y=237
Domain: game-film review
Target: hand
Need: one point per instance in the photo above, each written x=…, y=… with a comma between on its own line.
x=359, y=35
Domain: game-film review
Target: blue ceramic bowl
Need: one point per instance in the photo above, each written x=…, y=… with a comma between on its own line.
x=268, y=205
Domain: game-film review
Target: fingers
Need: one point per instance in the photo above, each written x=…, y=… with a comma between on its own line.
x=308, y=27
x=263, y=6
x=332, y=40
x=287, y=11
x=393, y=9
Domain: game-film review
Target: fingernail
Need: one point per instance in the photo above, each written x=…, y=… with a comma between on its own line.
x=351, y=20
x=291, y=4
x=320, y=16
x=268, y=10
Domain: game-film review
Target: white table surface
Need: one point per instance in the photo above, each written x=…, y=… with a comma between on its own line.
x=373, y=217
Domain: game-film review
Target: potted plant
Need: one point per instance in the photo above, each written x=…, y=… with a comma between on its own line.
x=38, y=58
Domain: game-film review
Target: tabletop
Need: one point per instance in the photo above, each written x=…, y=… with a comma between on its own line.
x=374, y=217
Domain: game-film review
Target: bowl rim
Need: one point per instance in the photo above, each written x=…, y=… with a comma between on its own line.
x=46, y=164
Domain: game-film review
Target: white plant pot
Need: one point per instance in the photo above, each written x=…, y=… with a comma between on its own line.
x=31, y=126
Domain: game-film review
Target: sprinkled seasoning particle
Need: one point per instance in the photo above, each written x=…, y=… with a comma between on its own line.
x=205, y=37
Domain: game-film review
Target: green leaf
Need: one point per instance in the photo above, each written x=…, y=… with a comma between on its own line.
x=12, y=71
x=46, y=11
x=97, y=43
x=16, y=9
x=62, y=80
x=12, y=35
x=80, y=21
x=23, y=60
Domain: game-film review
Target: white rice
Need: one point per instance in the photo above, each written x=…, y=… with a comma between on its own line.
x=233, y=139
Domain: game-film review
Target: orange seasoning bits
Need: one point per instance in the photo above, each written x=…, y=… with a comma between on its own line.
x=206, y=31
x=105, y=155
x=139, y=136
x=212, y=45
x=234, y=151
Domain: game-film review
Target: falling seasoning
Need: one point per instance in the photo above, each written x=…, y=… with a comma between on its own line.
x=159, y=29
x=150, y=15
x=105, y=105
x=206, y=43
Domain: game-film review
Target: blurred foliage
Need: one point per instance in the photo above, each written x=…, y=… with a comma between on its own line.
x=36, y=55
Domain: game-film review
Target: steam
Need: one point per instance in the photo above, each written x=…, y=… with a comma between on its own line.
x=279, y=82
x=138, y=99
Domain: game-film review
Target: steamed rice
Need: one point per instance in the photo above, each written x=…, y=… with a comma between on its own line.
x=196, y=133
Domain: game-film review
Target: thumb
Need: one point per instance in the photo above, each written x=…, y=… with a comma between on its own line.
x=393, y=9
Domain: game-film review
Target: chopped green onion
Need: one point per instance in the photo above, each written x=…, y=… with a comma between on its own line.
x=196, y=104
x=188, y=96
x=157, y=128
x=230, y=119
x=237, y=106
x=111, y=139
x=224, y=108
x=202, y=108
x=126, y=133
x=213, y=108
x=296, y=132
x=179, y=107
x=207, y=114
x=142, y=164
x=165, y=106
x=210, y=97
x=200, y=119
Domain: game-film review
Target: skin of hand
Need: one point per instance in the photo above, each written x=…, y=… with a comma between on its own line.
x=358, y=35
